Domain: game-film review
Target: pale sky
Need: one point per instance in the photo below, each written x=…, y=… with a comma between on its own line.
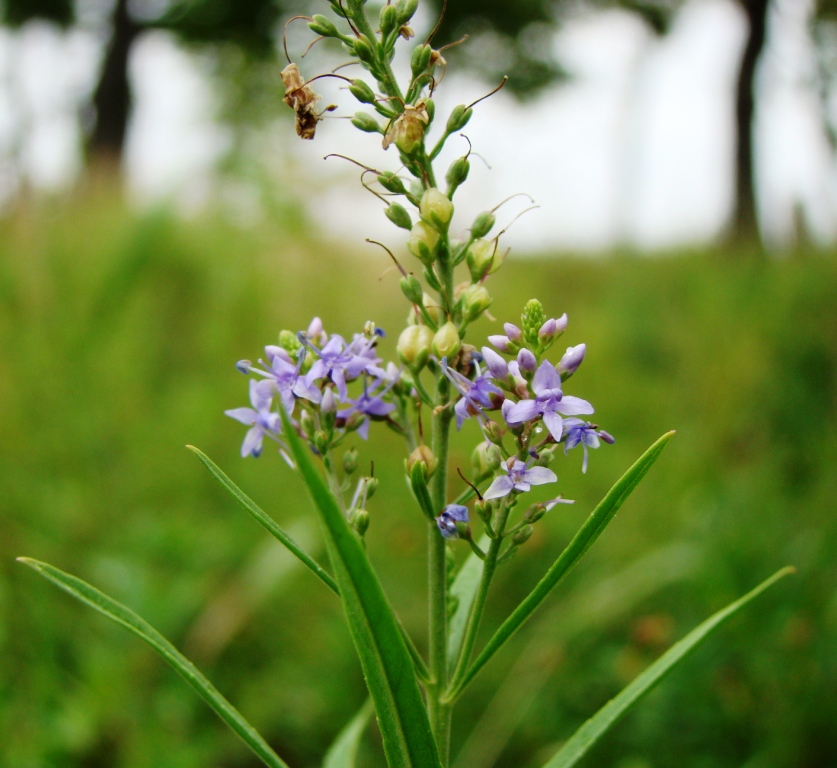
x=636, y=148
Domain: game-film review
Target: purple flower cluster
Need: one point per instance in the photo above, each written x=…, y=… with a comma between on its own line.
x=318, y=375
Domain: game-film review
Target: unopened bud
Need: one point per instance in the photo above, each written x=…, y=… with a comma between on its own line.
x=483, y=224
x=406, y=10
x=388, y=19
x=485, y=459
x=362, y=92
x=533, y=318
x=523, y=535
x=425, y=456
x=457, y=173
x=359, y=520
x=391, y=183
x=494, y=432
x=482, y=508
x=422, y=242
x=350, y=460
x=446, y=342
x=420, y=59
x=306, y=424
x=366, y=123
x=459, y=117
x=328, y=404
x=526, y=360
x=480, y=258
x=321, y=442
x=363, y=50
x=552, y=328
x=475, y=300
x=321, y=25
x=411, y=288
x=513, y=332
x=289, y=342
x=534, y=513
x=572, y=358
x=436, y=209
x=414, y=346
x=430, y=108
x=398, y=215
x=372, y=484
x=432, y=308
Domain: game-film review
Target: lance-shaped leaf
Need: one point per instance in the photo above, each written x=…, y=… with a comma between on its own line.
x=262, y=517
x=142, y=629
x=387, y=666
x=583, y=540
x=343, y=752
x=598, y=725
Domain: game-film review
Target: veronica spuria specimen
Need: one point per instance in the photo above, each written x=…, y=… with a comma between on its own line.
x=318, y=395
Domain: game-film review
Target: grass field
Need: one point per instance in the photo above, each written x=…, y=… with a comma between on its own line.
x=118, y=335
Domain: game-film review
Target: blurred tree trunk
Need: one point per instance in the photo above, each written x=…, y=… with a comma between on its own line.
x=112, y=98
x=745, y=220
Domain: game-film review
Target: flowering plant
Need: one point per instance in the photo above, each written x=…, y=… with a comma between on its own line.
x=314, y=390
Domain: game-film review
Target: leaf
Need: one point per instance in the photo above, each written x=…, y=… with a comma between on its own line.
x=598, y=725
x=583, y=540
x=262, y=517
x=464, y=588
x=343, y=752
x=387, y=666
x=142, y=629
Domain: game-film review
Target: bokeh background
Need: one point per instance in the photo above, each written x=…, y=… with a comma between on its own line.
x=160, y=220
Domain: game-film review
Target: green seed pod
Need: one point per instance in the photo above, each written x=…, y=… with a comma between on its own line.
x=480, y=258
x=436, y=209
x=482, y=508
x=338, y=9
x=364, y=51
x=475, y=300
x=485, y=459
x=411, y=288
x=391, y=183
x=350, y=461
x=406, y=10
x=398, y=215
x=414, y=346
x=458, y=119
x=432, y=308
x=359, y=520
x=371, y=486
x=420, y=59
x=534, y=513
x=446, y=342
x=366, y=123
x=483, y=224
x=321, y=25
x=388, y=20
x=523, y=535
x=422, y=455
x=457, y=173
x=362, y=92
x=430, y=107
x=422, y=242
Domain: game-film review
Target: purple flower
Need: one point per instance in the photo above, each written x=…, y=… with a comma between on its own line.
x=342, y=362
x=261, y=420
x=526, y=360
x=518, y=477
x=572, y=358
x=282, y=376
x=370, y=405
x=549, y=402
x=476, y=395
x=552, y=328
x=447, y=521
x=577, y=431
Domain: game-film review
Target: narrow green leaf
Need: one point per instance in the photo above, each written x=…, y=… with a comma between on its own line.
x=387, y=666
x=142, y=629
x=597, y=726
x=464, y=588
x=583, y=540
x=262, y=517
x=343, y=752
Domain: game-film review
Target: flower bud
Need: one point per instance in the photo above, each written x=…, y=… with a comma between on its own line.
x=430, y=108
x=363, y=50
x=388, y=20
x=513, y=332
x=362, y=92
x=397, y=214
x=414, y=346
x=534, y=513
x=459, y=117
x=483, y=224
x=372, y=484
x=497, y=366
x=436, y=209
x=475, y=300
x=432, y=308
x=391, y=183
x=523, y=535
x=411, y=288
x=350, y=461
x=366, y=123
x=533, y=318
x=425, y=456
x=571, y=360
x=321, y=442
x=482, y=508
x=502, y=343
x=420, y=59
x=406, y=10
x=552, y=328
x=306, y=424
x=321, y=25
x=457, y=173
x=485, y=459
x=494, y=432
x=359, y=520
x=526, y=361
x=288, y=341
x=446, y=342
x=422, y=242
x=328, y=403
x=480, y=258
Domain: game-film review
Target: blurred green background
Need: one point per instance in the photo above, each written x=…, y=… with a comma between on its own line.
x=119, y=333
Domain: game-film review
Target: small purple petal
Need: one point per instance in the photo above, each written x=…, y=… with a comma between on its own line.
x=555, y=424
x=502, y=486
x=540, y=476
x=525, y=410
x=546, y=377
x=244, y=415
x=573, y=406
